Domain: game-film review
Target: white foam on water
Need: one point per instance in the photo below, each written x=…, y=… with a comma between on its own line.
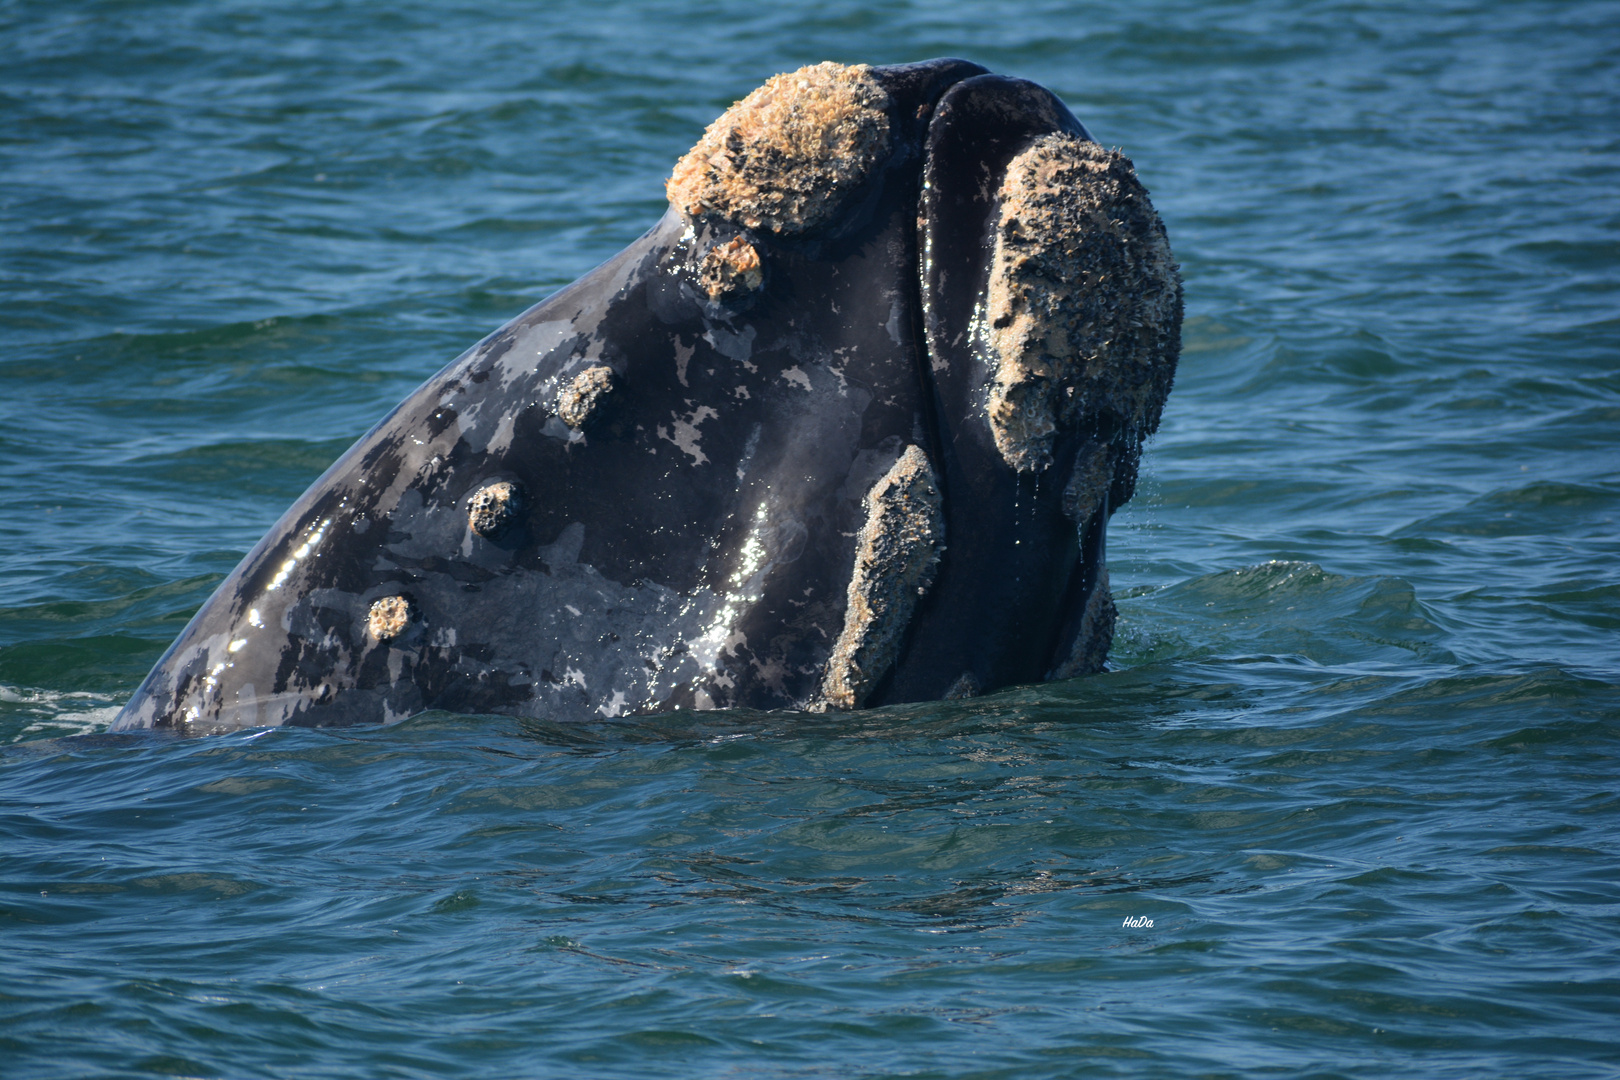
x=53, y=713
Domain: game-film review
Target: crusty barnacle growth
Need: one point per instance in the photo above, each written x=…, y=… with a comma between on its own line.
x=731, y=271
x=1083, y=309
x=896, y=557
x=1089, y=480
x=786, y=157
x=581, y=394
x=493, y=508
x=389, y=617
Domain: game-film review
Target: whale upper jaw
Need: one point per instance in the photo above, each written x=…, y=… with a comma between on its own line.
x=844, y=428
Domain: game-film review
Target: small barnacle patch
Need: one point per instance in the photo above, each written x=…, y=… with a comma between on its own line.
x=389, y=617
x=786, y=157
x=493, y=508
x=1089, y=654
x=581, y=395
x=731, y=271
x=1083, y=310
x=1089, y=481
x=896, y=557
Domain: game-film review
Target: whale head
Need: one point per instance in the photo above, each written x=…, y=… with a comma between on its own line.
x=844, y=428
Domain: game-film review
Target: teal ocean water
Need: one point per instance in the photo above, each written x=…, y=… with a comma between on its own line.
x=1352, y=777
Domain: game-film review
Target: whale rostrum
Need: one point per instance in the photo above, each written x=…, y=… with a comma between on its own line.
x=843, y=429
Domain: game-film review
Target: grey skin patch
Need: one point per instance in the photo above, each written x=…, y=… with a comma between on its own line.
x=493, y=508
x=965, y=686
x=580, y=396
x=1083, y=308
x=731, y=271
x=389, y=617
x=1091, y=644
x=896, y=558
x=786, y=157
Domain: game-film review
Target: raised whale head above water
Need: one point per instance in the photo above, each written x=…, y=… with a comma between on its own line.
x=843, y=429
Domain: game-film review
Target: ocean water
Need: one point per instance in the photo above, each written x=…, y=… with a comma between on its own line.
x=1352, y=778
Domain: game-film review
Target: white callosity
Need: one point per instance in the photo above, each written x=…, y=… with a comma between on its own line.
x=579, y=398
x=389, y=617
x=896, y=557
x=1083, y=310
x=494, y=507
x=786, y=158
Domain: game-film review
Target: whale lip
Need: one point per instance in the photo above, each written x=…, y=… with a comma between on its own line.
x=1022, y=383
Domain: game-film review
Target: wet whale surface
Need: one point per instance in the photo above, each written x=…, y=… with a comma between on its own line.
x=844, y=428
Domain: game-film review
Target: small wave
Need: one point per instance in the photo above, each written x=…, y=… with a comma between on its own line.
x=1540, y=508
x=1281, y=607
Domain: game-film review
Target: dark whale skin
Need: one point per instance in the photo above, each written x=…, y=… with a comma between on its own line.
x=690, y=542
